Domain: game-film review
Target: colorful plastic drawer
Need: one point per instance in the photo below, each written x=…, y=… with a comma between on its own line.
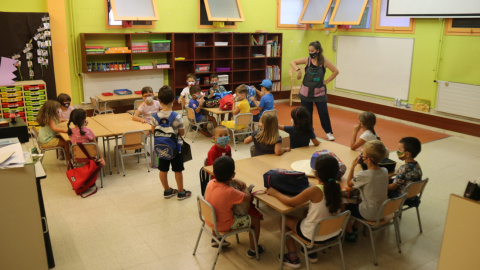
x=12, y=105
x=32, y=113
x=33, y=87
x=11, y=100
x=33, y=123
x=31, y=118
x=40, y=97
x=34, y=93
x=7, y=115
x=33, y=108
x=10, y=89
x=11, y=94
x=34, y=103
x=15, y=109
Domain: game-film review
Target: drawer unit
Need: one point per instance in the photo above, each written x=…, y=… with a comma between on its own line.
x=12, y=104
x=11, y=94
x=40, y=97
x=33, y=108
x=7, y=115
x=34, y=103
x=10, y=89
x=34, y=87
x=11, y=99
x=34, y=93
x=33, y=123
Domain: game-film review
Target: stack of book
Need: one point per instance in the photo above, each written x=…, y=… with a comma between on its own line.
x=258, y=55
x=276, y=86
x=138, y=47
x=272, y=73
x=113, y=50
x=95, y=49
x=273, y=47
x=257, y=40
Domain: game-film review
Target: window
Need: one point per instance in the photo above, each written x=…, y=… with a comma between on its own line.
x=315, y=11
x=288, y=13
x=110, y=23
x=352, y=15
x=224, y=10
x=391, y=24
x=138, y=10
x=325, y=25
x=203, y=21
x=463, y=27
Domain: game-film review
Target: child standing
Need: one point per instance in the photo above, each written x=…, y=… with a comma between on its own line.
x=223, y=196
x=325, y=201
x=48, y=119
x=266, y=99
x=372, y=183
x=80, y=133
x=302, y=131
x=148, y=106
x=166, y=97
x=196, y=103
x=65, y=108
x=367, y=121
x=215, y=87
x=408, y=149
x=221, y=147
x=267, y=140
x=185, y=94
x=242, y=106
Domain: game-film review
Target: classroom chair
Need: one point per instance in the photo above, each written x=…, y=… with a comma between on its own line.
x=242, y=119
x=414, y=192
x=192, y=122
x=325, y=226
x=136, y=104
x=207, y=213
x=98, y=109
x=387, y=215
x=77, y=155
x=295, y=90
x=131, y=140
x=43, y=150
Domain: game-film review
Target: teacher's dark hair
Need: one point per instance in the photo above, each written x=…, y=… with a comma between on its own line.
x=318, y=47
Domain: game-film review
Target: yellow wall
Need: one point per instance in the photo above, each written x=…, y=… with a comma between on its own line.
x=23, y=6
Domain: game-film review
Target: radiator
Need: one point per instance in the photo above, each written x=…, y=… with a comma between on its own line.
x=458, y=98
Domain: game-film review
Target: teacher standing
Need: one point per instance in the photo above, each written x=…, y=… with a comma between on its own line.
x=314, y=87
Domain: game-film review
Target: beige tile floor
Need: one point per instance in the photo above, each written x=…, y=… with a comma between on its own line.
x=129, y=225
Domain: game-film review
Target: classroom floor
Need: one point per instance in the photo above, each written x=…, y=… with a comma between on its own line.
x=129, y=225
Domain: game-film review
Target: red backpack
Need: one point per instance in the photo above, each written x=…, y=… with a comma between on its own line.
x=226, y=103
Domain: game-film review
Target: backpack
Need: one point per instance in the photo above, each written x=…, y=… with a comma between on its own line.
x=165, y=140
x=211, y=103
x=341, y=166
x=226, y=103
x=286, y=181
x=251, y=93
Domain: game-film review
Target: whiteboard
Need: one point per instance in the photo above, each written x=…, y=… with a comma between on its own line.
x=97, y=83
x=434, y=8
x=375, y=65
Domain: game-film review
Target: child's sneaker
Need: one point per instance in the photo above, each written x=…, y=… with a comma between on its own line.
x=290, y=262
x=61, y=156
x=167, y=194
x=351, y=237
x=224, y=244
x=184, y=195
x=312, y=257
x=251, y=253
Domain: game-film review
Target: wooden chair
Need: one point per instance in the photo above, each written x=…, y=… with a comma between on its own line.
x=413, y=190
x=79, y=158
x=193, y=122
x=207, y=213
x=295, y=90
x=387, y=215
x=242, y=119
x=131, y=140
x=326, y=226
x=98, y=109
x=41, y=149
x=136, y=104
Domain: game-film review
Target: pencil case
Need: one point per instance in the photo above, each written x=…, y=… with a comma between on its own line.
x=107, y=94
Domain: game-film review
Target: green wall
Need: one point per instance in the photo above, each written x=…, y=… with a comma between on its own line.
x=23, y=5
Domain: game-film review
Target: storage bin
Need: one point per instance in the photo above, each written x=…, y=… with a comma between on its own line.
x=202, y=67
x=12, y=105
x=33, y=123
x=21, y=114
x=34, y=93
x=199, y=44
x=34, y=87
x=15, y=109
x=221, y=43
x=33, y=108
x=12, y=99
x=159, y=45
x=222, y=69
x=40, y=97
x=31, y=113
x=11, y=94
x=34, y=103
x=122, y=92
x=10, y=89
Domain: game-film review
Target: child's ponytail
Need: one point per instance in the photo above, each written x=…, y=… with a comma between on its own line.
x=327, y=170
x=368, y=120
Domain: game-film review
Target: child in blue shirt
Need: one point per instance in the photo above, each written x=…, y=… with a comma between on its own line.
x=302, y=131
x=196, y=103
x=266, y=100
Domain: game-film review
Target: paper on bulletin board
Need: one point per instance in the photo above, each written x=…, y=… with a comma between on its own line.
x=6, y=71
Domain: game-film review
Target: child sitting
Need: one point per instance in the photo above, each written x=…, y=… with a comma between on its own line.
x=196, y=104
x=221, y=147
x=222, y=197
x=372, y=183
x=148, y=106
x=325, y=201
x=80, y=133
x=185, y=94
x=48, y=119
x=65, y=108
x=408, y=149
x=267, y=140
x=242, y=106
x=266, y=99
x=215, y=87
x=302, y=131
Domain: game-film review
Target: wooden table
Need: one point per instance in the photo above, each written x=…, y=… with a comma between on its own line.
x=116, y=97
x=219, y=112
x=97, y=129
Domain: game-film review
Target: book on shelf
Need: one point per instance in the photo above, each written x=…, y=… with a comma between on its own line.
x=272, y=72
x=257, y=40
x=258, y=55
x=275, y=86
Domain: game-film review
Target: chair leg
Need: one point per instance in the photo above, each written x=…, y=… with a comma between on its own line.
x=341, y=254
x=102, y=173
x=198, y=240
x=373, y=246
x=234, y=142
x=255, y=244
x=397, y=234
x=238, y=240
x=419, y=221
x=123, y=167
x=195, y=135
x=116, y=153
x=188, y=130
x=218, y=252
x=146, y=157
x=305, y=251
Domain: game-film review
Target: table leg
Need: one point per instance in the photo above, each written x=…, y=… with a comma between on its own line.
x=151, y=149
x=109, y=157
x=282, y=240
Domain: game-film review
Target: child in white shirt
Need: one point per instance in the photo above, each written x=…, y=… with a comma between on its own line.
x=148, y=107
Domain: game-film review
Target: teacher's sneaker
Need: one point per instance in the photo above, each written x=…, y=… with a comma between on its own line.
x=330, y=137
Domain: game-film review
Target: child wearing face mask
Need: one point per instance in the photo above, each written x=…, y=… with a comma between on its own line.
x=241, y=106
x=196, y=104
x=301, y=133
x=185, y=94
x=80, y=133
x=148, y=106
x=215, y=87
x=408, y=149
x=65, y=108
x=221, y=147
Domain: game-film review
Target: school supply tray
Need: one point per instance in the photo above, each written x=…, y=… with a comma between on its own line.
x=34, y=93
x=11, y=94
x=202, y=67
x=122, y=92
x=31, y=98
x=10, y=89
x=12, y=105
x=107, y=94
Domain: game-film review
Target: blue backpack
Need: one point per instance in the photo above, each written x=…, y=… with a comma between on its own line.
x=165, y=140
x=251, y=93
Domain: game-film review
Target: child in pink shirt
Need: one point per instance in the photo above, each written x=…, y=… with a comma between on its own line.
x=65, y=109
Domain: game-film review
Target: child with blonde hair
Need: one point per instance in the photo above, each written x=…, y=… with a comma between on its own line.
x=267, y=140
x=242, y=106
x=48, y=119
x=367, y=121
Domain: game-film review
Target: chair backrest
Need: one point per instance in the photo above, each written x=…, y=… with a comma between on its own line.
x=34, y=132
x=332, y=224
x=137, y=104
x=77, y=153
x=274, y=112
x=94, y=103
x=191, y=115
x=293, y=73
x=206, y=212
x=133, y=137
x=390, y=207
x=416, y=188
x=243, y=119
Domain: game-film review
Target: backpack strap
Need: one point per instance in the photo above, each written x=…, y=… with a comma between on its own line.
x=155, y=115
x=84, y=150
x=171, y=118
